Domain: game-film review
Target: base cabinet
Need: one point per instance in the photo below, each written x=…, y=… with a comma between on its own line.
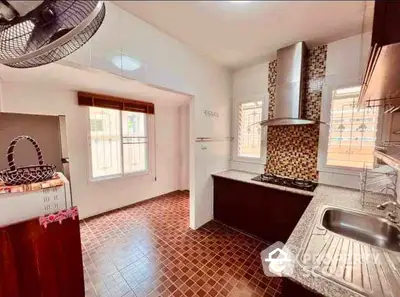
x=265, y=212
x=291, y=289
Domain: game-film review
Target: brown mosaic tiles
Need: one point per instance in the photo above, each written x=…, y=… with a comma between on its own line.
x=293, y=150
x=148, y=249
x=272, y=87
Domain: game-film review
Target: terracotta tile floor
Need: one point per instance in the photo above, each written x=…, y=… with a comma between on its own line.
x=149, y=250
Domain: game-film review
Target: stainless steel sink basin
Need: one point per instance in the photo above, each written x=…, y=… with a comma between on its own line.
x=357, y=250
x=366, y=228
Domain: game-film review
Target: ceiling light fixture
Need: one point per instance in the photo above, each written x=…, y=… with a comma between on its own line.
x=239, y=1
x=126, y=63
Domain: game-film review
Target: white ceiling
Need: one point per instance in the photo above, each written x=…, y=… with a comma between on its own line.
x=91, y=80
x=246, y=32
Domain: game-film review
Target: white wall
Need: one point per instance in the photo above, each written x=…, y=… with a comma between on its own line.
x=97, y=197
x=248, y=84
x=169, y=63
x=184, y=141
x=347, y=58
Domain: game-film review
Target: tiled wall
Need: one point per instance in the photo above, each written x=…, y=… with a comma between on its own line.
x=293, y=150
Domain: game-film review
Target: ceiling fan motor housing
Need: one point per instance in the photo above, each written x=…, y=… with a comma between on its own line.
x=50, y=32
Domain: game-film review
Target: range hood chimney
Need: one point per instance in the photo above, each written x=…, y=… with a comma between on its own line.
x=289, y=87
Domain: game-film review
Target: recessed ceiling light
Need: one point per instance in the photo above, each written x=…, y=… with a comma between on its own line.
x=126, y=63
x=239, y=1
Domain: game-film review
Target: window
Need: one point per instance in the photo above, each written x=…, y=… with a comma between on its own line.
x=249, y=130
x=118, y=142
x=352, y=131
x=134, y=141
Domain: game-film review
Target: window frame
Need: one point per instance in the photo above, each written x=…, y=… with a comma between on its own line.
x=326, y=105
x=122, y=174
x=263, y=140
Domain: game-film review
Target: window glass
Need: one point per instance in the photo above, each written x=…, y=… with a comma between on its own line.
x=352, y=131
x=134, y=141
x=249, y=130
x=118, y=142
x=105, y=142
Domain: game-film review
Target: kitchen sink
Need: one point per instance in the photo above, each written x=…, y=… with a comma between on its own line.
x=376, y=231
x=357, y=250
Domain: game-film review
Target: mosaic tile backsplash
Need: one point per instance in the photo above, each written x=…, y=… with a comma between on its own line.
x=293, y=150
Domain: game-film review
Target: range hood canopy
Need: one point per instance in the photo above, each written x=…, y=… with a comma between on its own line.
x=289, y=87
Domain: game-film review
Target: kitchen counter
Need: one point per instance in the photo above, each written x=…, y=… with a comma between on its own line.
x=322, y=196
x=332, y=196
x=246, y=177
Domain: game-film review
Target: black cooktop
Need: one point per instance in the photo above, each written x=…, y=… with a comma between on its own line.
x=296, y=183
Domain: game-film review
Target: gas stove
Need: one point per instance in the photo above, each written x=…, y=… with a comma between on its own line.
x=296, y=183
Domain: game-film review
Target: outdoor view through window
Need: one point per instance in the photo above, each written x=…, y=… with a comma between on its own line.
x=352, y=132
x=118, y=142
x=249, y=131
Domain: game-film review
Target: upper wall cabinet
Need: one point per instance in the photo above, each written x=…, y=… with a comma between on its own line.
x=386, y=23
x=381, y=79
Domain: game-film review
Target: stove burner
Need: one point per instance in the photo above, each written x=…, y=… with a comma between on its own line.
x=267, y=177
x=303, y=183
x=287, y=182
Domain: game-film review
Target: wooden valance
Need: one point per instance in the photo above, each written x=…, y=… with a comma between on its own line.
x=105, y=101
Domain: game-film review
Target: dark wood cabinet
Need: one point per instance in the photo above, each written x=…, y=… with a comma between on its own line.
x=268, y=213
x=290, y=289
x=39, y=260
x=386, y=22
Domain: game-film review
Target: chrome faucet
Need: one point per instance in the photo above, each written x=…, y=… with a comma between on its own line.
x=393, y=216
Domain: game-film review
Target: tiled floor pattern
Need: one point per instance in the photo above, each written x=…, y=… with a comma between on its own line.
x=149, y=250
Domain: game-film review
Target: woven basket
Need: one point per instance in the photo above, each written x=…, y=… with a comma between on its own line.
x=28, y=174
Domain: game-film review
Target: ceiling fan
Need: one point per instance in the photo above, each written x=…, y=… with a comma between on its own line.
x=35, y=33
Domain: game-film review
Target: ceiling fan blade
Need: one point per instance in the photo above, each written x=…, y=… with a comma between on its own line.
x=42, y=35
x=24, y=7
x=7, y=12
x=37, y=38
x=49, y=32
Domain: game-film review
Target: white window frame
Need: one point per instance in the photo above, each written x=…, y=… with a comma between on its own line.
x=263, y=144
x=122, y=174
x=326, y=105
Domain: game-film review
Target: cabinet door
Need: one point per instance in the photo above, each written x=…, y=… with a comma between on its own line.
x=230, y=206
x=261, y=211
x=41, y=262
x=386, y=22
x=276, y=213
x=290, y=289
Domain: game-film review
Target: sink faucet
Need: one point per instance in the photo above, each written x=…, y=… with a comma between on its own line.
x=392, y=215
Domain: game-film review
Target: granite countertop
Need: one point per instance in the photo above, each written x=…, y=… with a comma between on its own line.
x=322, y=196
x=326, y=196
x=244, y=176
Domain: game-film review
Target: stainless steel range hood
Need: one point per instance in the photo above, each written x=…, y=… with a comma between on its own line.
x=289, y=87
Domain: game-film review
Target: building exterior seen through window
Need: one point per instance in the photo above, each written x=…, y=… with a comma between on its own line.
x=249, y=130
x=118, y=142
x=352, y=132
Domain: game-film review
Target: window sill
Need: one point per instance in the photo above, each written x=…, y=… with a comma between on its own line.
x=259, y=161
x=119, y=176
x=343, y=171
